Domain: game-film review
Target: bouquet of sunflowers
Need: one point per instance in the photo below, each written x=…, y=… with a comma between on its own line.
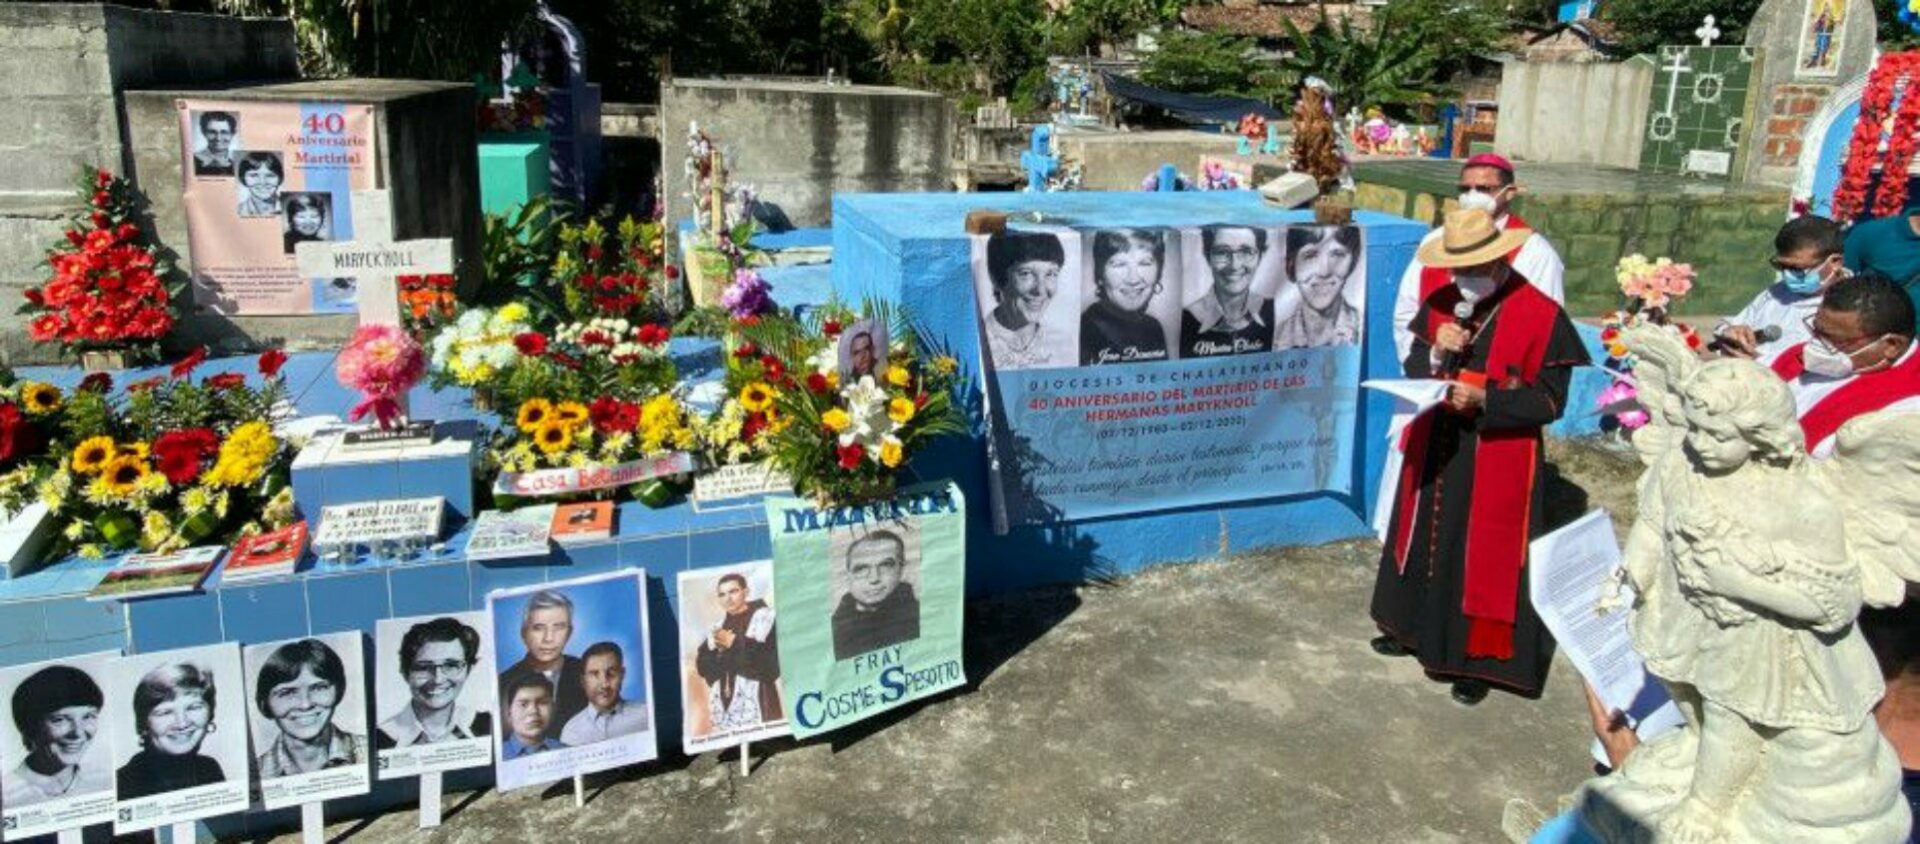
x=842, y=426
x=168, y=463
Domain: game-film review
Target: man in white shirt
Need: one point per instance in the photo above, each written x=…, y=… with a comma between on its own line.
x=1809, y=257
x=606, y=716
x=1858, y=360
x=1486, y=183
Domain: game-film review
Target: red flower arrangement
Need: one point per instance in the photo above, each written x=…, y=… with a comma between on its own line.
x=1863, y=151
x=182, y=454
x=108, y=288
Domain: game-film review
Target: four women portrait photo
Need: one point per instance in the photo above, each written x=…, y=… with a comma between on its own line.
x=1060, y=299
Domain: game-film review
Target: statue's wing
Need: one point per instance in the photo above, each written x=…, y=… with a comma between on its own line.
x=1874, y=477
x=1662, y=364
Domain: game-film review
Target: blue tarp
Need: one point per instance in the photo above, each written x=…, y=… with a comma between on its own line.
x=1193, y=108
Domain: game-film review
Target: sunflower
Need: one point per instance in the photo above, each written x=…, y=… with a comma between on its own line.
x=756, y=397
x=553, y=439
x=534, y=414
x=40, y=398
x=122, y=475
x=93, y=454
x=571, y=414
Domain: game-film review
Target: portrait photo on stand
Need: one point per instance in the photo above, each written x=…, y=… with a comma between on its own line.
x=1323, y=294
x=56, y=756
x=1131, y=296
x=575, y=692
x=1027, y=286
x=863, y=351
x=305, y=216
x=1227, y=290
x=875, y=583
x=729, y=657
x=179, y=736
x=216, y=142
x=433, y=694
x=257, y=180
x=309, y=719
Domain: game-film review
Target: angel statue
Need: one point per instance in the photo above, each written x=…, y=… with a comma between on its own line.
x=1748, y=564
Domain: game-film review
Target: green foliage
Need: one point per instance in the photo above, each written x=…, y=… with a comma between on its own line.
x=1894, y=35
x=517, y=249
x=1202, y=63
x=1089, y=25
x=998, y=40
x=1645, y=25
x=394, y=38
x=1389, y=65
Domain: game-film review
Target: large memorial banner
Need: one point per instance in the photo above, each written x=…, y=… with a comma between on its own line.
x=1142, y=369
x=261, y=178
x=870, y=604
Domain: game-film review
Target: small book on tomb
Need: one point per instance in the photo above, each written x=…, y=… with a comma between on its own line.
x=147, y=575
x=583, y=522
x=507, y=534
x=273, y=554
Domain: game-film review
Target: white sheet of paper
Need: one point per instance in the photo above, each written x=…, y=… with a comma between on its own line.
x=1568, y=569
x=1412, y=397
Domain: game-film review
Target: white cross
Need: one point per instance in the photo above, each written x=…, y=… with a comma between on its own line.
x=1707, y=33
x=374, y=258
x=1678, y=67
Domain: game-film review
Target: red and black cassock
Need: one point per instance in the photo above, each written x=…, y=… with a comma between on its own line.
x=1452, y=582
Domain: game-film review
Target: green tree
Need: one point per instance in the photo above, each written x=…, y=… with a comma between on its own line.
x=1091, y=25
x=1392, y=65
x=394, y=38
x=990, y=42
x=1645, y=25
x=1202, y=63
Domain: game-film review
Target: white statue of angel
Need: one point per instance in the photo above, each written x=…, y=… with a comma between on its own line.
x=1748, y=563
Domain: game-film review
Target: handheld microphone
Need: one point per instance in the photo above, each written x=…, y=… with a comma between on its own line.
x=1452, y=361
x=1764, y=335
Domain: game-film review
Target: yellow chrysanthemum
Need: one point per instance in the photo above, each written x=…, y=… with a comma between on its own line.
x=122, y=475
x=513, y=312
x=534, y=415
x=553, y=439
x=836, y=419
x=756, y=397
x=945, y=364
x=833, y=380
x=898, y=375
x=900, y=411
x=92, y=455
x=243, y=457
x=39, y=398
x=891, y=452
x=572, y=414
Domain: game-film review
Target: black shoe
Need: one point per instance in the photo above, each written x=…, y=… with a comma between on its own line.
x=1388, y=646
x=1469, y=692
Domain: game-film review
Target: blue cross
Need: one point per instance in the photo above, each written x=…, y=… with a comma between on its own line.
x=1038, y=160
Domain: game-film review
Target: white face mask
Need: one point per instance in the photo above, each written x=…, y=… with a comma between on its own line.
x=1475, y=287
x=1474, y=200
x=1828, y=362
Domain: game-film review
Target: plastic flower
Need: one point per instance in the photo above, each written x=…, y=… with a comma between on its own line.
x=39, y=398
x=891, y=451
x=836, y=420
x=570, y=414
x=553, y=439
x=534, y=414
x=383, y=362
x=92, y=455
x=898, y=376
x=1618, y=392
x=900, y=411
x=756, y=397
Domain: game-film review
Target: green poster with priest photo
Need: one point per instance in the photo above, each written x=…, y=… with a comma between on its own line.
x=870, y=603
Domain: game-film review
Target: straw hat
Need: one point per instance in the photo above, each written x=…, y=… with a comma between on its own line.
x=1469, y=238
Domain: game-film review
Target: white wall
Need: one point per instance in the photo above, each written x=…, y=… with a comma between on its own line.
x=1575, y=113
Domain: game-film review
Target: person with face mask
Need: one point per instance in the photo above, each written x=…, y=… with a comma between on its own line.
x=1452, y=580
x=1128, y=265
x=1807, y=260
x=1486, y=183
x=1025, y=271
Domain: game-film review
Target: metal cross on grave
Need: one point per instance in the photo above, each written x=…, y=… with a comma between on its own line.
x=1707, y=33
x=374, y=259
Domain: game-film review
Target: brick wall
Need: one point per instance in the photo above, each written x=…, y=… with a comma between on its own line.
x=1785, y=121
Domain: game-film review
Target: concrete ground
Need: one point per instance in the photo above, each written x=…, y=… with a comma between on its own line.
x=1229, y=700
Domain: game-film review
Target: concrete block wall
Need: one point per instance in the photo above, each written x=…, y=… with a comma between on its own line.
x=1590, y=113
x=799, y=143
x=426, y=154
x=64, y=70
x=1118, y=161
